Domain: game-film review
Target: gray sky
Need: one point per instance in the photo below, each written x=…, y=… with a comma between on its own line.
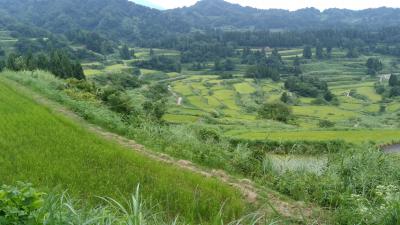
x=291, y=4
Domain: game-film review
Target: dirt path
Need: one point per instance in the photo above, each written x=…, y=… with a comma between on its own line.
x=268, y=201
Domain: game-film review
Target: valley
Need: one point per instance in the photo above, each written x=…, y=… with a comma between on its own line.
x=216, y=114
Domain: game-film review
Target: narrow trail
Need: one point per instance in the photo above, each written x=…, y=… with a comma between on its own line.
x=267, y=201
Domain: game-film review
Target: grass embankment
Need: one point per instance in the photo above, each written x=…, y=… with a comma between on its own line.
x=351, y=136
x=49, y=150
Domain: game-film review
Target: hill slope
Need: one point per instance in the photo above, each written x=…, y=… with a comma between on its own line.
x=116, y=19
x=49, y=150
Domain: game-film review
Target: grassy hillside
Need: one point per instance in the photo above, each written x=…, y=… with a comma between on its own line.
x=49, y=150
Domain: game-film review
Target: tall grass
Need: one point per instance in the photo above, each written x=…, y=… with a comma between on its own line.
x=48, y=150
x=22, y=204
x=179, y=141
x=361, y=186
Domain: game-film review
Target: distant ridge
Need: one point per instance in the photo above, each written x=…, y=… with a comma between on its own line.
x=148, y=4
x=221, y=14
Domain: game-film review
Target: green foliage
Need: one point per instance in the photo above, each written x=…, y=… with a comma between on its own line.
x=121, y=81
x=261, y=71
x=394, y=81
x=307, y=86
x=353, y=53
x=2, y=65
x=207, y=134
x=226, y=76
x=374, y=65
x=20, y=204
x=92, y=41
x=359, y=186
x=62, y=209
x=58, y=63
x=319, y=51
x=307, y=52
x=395, y=91
x=379, y=88
x=125, y=53
x=285, y=97
x=226, y=65
x=163, y=63
x=275, y=111
x=326, y=124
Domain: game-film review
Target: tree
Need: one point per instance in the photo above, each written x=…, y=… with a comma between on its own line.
x=157, y=91
x=2, y=65
x=2, y=52
x=229, y=65
x=132, y=52
x=328, y=96
x=77, y=71
x=163, y=63
x=11, y=62
x=275, y=111
x=296, y=66
x=319, y=52
x=307, y=52
x=60, y=65
x=136, y=71
x=285, y=97
x=329, y=52
x=156, y=104
x=262, y=71
x=218, y=65
x=394, y=81
x=30, y=62
x=353, y=53
x=42, y=62
x=125, y=53
x=374, y=65
x=326, y=124
x=395, y=91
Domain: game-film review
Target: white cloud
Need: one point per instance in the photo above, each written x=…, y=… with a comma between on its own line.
x=292, y=4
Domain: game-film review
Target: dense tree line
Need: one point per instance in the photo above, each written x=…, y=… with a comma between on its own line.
x=253, y=57
x=57, y=62
x=374, y=66
x=266, y=66
x=93, y=41
x=163, y=63
x=125, y=53
x=224, y=65
x=26, y=45
x=308, y=86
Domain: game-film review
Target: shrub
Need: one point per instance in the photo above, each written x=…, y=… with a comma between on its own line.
x=207, y=134
x=275, y=111
x=326, y=124
x=19, y=204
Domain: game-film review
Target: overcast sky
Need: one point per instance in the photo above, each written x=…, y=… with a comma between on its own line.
x=291, y=4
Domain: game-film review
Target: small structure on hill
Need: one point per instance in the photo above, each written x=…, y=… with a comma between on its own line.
x=384, y=77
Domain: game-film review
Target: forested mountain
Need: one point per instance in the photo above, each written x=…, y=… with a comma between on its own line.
x=125, y=20
x=116, y=19
x=221, y=14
